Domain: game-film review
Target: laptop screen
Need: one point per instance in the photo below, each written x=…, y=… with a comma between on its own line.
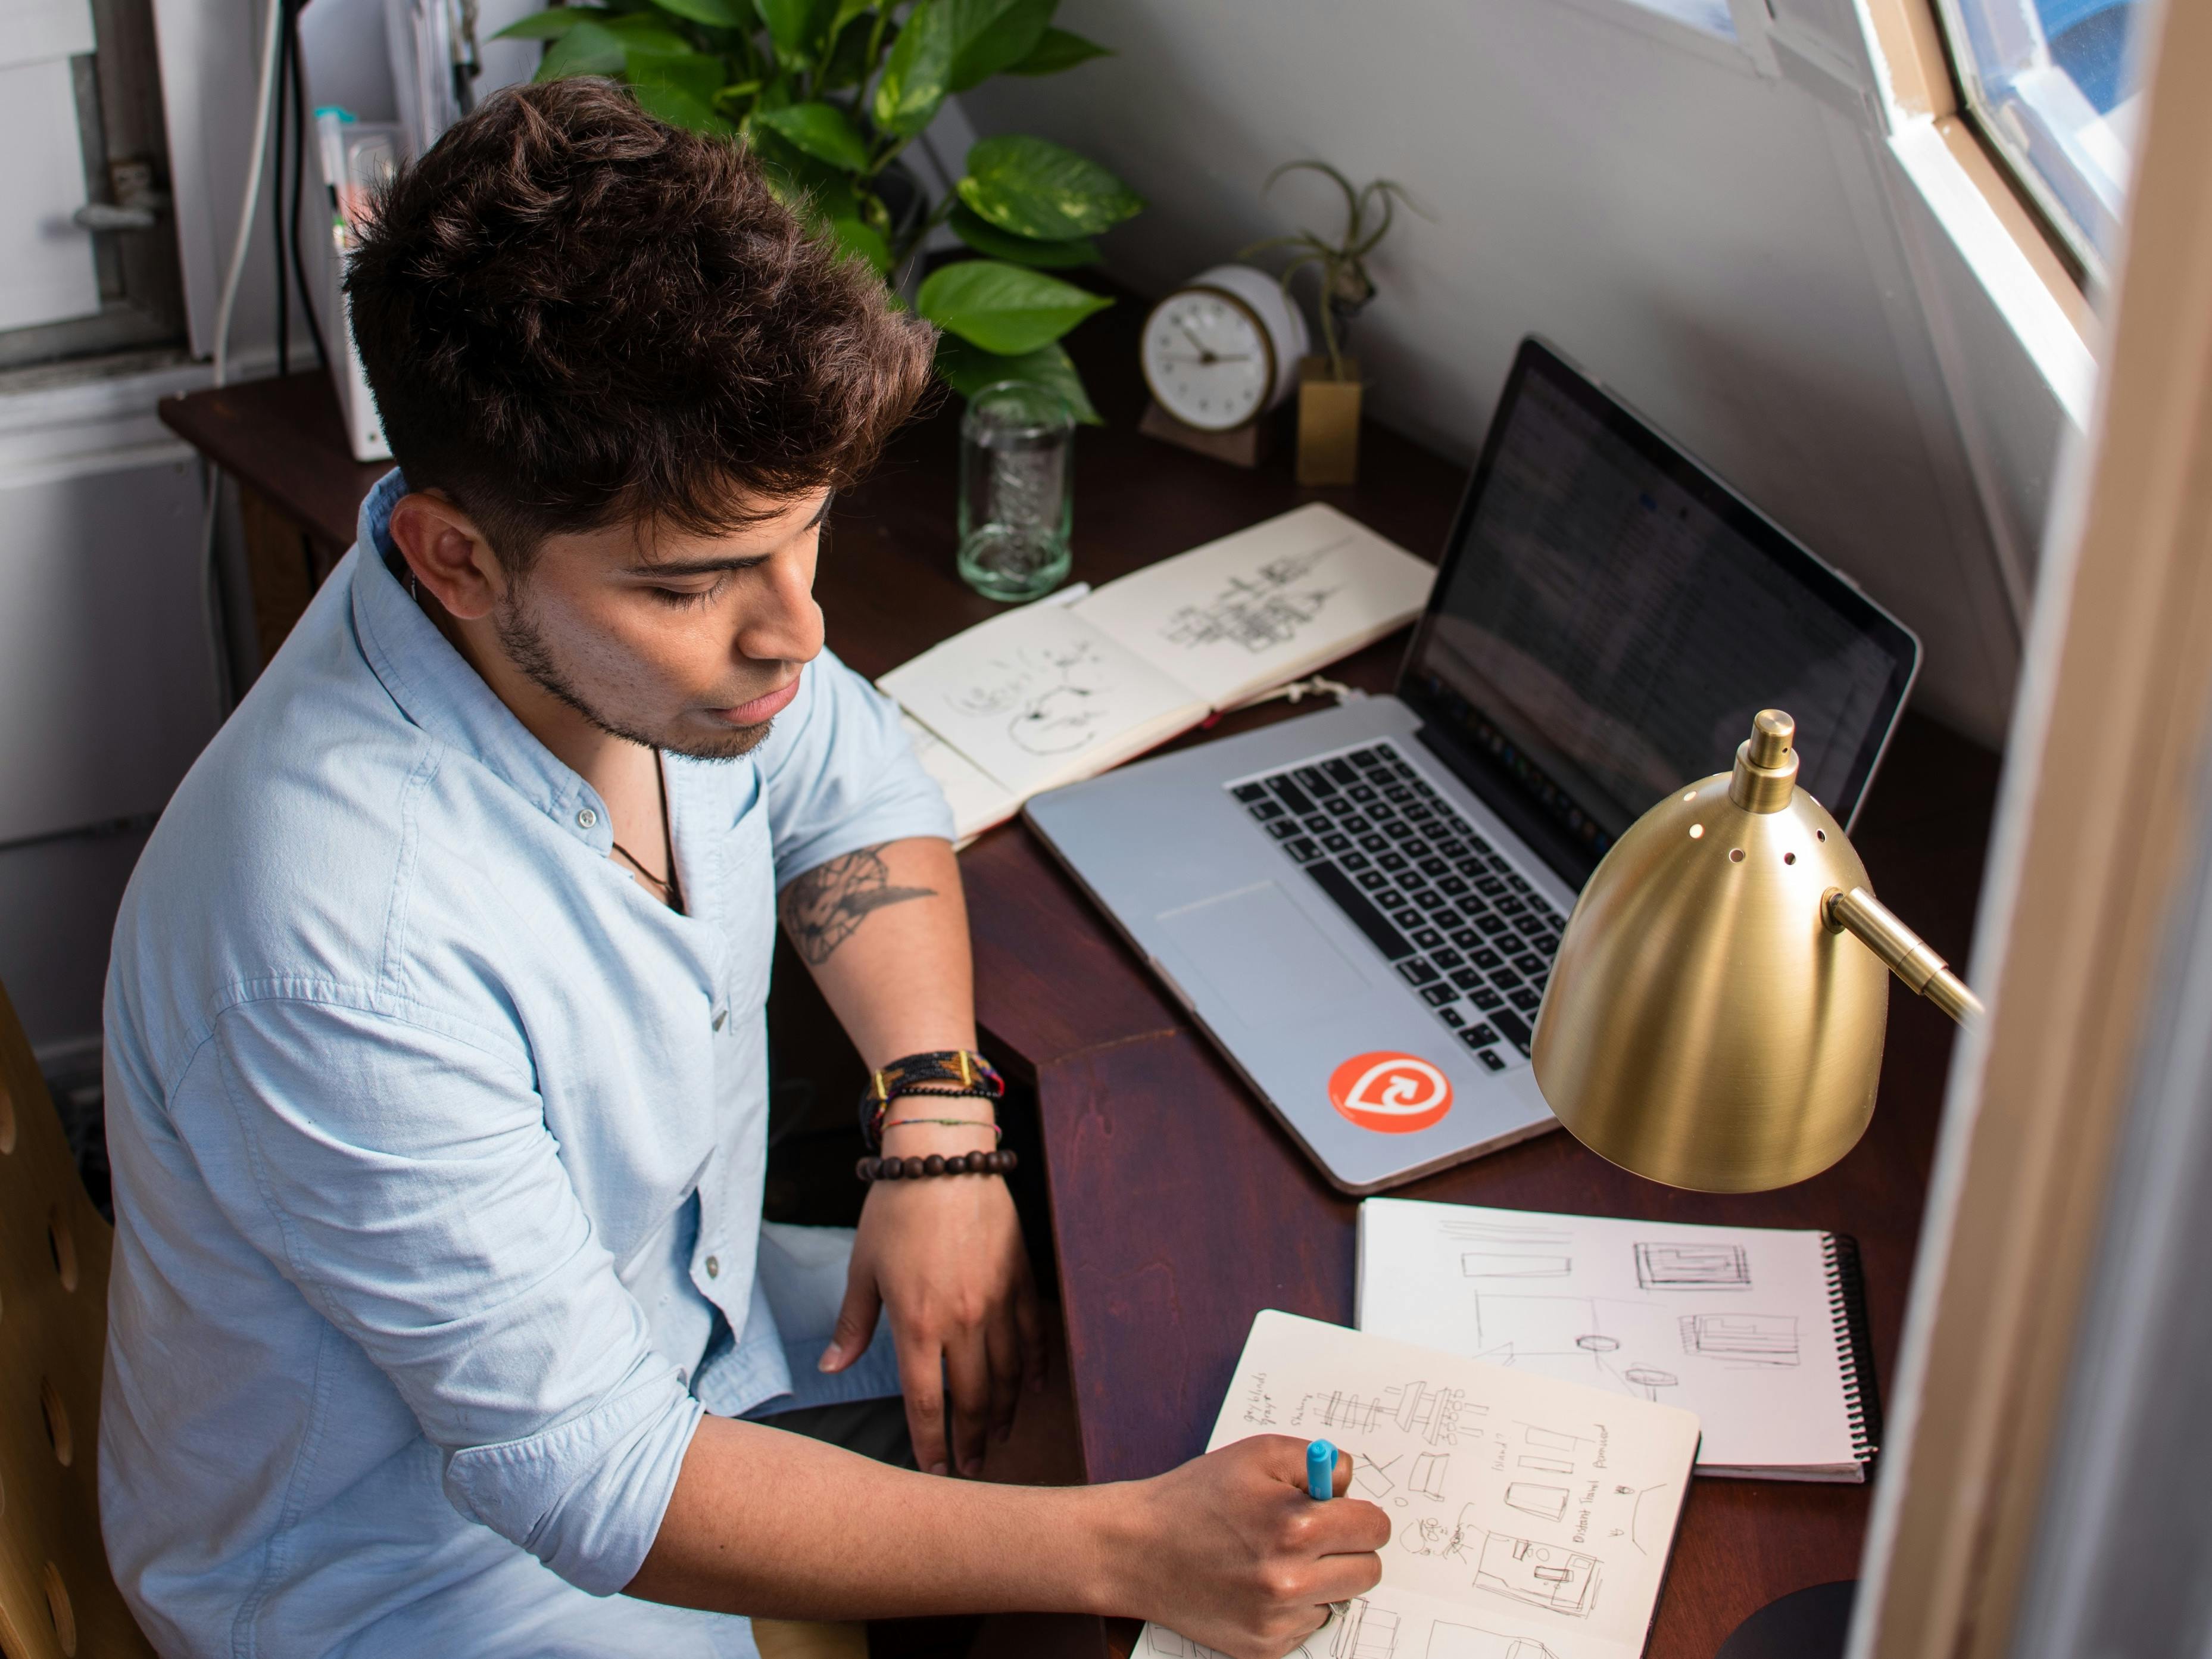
x=1609, y=616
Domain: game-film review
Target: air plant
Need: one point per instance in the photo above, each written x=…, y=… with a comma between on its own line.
x=1345, y=287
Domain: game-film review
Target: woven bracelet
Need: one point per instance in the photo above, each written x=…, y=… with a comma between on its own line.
x=920, y=1169
x=970, y=1074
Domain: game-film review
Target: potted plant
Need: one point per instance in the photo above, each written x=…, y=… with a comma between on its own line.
x=829, y=93
x=1328, y=384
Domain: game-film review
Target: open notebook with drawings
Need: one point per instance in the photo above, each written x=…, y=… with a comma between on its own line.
x=1530, y=1518
x=1051, y=693
x=1760, y=1331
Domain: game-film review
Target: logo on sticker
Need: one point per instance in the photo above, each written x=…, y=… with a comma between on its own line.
x=1394, y=1094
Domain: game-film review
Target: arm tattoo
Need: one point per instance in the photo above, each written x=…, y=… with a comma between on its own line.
x=823, y=908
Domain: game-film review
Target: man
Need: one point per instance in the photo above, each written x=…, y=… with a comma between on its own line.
x=442, y=1295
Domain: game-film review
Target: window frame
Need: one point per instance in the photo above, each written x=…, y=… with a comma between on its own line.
x=2051, y=141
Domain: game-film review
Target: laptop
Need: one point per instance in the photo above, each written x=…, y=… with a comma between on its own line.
x=1361, y=907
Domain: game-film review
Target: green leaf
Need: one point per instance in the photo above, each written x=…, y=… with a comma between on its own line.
x=1059, y=49
x=1037, y=189
x=641, y=32
x=715, y=13
x=795, y=27
x=918, y=73
x=991, y=35
x=863, y=241
x=551, y=24
x=696, y=74
x=680, y=106
x=967, y=369
x=586, y=49
x=1007, y=309
x=822, y=130
x=987, y=239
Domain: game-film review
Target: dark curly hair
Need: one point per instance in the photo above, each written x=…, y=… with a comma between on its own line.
x=571, y=314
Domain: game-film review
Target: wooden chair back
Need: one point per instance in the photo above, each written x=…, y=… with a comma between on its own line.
x=57, y=1599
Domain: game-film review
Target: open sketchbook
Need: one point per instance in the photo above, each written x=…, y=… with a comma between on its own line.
x=1760, y=1332
x=1051, y=693
x=1530, y=1519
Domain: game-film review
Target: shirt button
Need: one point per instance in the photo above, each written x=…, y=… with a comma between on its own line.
x=586, y=818
x=714, y=1266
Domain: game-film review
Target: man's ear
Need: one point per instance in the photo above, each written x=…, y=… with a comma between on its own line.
x=448, y=555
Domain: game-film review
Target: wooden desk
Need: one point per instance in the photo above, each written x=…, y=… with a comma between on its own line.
x=1178, y=1209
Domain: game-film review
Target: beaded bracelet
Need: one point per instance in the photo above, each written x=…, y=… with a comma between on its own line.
x=918, y=1169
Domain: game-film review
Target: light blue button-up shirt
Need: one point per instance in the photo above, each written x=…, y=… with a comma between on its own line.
x=438, y=1145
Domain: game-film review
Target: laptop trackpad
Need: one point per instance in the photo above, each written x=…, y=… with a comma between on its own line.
x=1260, y=954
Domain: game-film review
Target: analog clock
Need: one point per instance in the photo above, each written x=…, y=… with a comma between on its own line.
x=1224, y=349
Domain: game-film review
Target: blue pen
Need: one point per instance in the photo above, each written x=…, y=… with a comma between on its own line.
x=1321, y=1469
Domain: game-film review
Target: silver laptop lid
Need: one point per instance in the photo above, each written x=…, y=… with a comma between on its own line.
x=1609, y=616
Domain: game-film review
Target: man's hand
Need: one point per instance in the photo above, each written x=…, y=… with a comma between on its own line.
x=1241, y=1557
x=944, y=1256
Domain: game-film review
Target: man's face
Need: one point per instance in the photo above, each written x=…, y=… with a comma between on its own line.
x=690, y=644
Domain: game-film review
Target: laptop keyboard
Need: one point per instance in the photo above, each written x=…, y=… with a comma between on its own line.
x=1463, y=928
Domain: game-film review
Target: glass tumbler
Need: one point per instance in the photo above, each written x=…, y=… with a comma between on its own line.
x=1017, y=490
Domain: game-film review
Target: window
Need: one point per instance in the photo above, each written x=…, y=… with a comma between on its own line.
x=87, y=247
x=2052, y=85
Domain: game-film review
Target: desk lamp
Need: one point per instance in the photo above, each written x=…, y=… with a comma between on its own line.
x=1715, y=1017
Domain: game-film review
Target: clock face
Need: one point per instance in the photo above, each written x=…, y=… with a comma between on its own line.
x=1206, y=360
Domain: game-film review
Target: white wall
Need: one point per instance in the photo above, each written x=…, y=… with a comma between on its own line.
x=1721, y=245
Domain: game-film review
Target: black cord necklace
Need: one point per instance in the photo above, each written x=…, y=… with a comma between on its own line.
x=671, y=886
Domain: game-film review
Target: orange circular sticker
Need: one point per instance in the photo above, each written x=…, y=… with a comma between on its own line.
x=1394, y=1094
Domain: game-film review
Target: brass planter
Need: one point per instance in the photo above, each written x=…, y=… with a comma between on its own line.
x=1328, y=423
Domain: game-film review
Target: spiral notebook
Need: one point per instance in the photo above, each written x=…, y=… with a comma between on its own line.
x=1529, y=1518
x=1761, y=1332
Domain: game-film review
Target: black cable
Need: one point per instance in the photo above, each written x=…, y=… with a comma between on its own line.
x=292, y=10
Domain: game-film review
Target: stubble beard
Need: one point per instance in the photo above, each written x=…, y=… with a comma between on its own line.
x=523, y=639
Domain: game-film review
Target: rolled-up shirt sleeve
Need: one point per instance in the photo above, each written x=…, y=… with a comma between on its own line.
x=840, y=774
x=398, y=1171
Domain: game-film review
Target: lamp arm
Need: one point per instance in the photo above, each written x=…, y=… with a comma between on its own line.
x=1863, y=916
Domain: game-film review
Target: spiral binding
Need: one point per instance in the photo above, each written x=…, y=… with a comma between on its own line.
x=1854, y=1344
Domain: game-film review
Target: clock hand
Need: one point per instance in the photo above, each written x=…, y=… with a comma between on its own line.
x=1205, y=356
x=1217, y=357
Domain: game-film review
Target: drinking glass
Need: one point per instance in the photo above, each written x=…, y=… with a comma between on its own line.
x=1017, y=490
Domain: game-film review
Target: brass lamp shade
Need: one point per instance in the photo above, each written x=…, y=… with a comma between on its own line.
x=1707, y=1024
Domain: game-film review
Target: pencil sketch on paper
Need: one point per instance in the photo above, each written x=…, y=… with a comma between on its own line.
x=1166, y=1644
x=1548, y=1465
x=1427, y=1479
x=1363, y=1630
x=1510, y=1233
x=1415, y=1408
x=1430, y=1535
x=1054, y=699
x=1269, y=607
x=1533, y=1497
x=1514, y=1264
x=1465, y=1642
x=1584, y=1337
x=1692, y=1268
x=1637, y=1520
x=1547, y=1575
x=1371, y=1478
x=1741, y=1339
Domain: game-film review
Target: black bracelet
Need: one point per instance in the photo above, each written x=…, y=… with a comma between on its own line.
x=971, y=1075
x=919, y=1169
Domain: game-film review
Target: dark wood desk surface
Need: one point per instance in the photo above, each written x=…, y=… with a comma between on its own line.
x=1179, y=1209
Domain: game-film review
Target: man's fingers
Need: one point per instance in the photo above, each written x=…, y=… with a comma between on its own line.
x=1341, y=1477
x=922, y=1380
x=968, y=1384
x=1341, y=1578
x=856, y=1321
x=1349, y=1525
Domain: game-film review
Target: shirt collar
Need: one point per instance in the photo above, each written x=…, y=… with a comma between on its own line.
x=440, y=694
